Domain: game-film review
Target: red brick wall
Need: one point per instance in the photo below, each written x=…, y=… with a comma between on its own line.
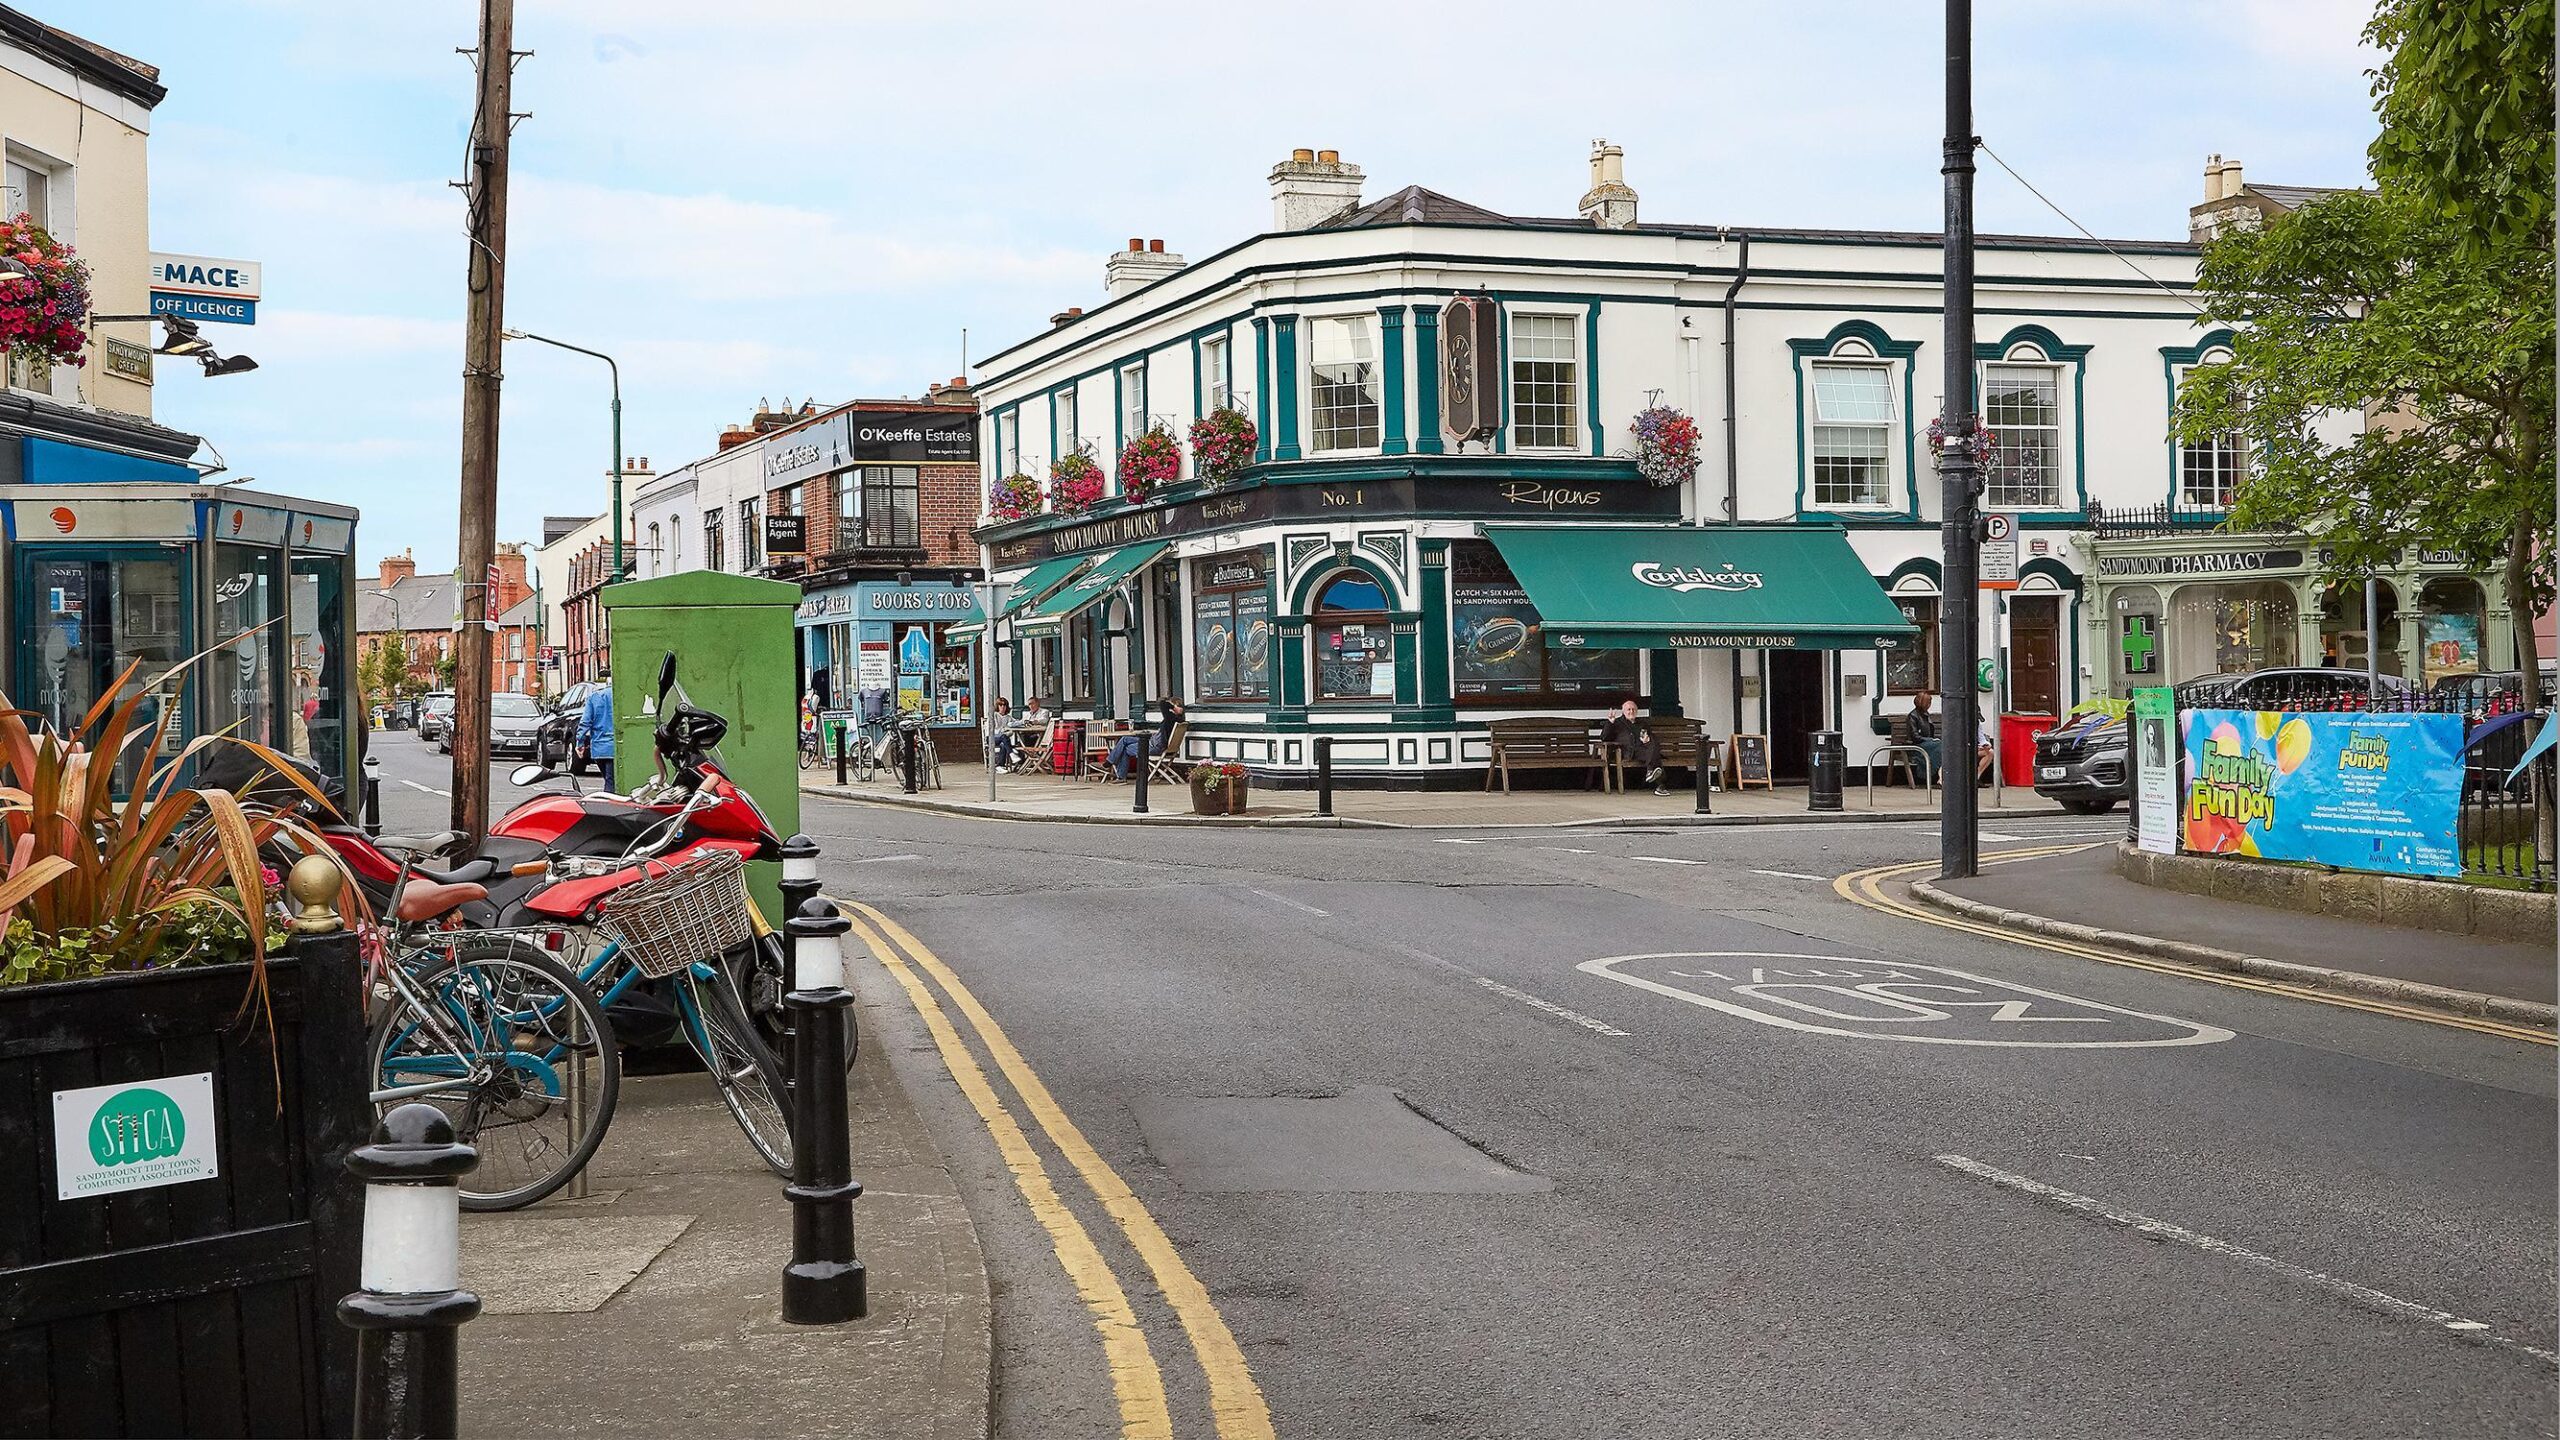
x=947, y=507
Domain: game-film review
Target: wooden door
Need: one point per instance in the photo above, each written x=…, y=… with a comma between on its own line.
x=1795, y=710
x=2035, y=654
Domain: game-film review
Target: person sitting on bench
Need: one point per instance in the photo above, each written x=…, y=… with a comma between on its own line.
x=1634, y=741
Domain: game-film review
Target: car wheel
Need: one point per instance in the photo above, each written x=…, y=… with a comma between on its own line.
x=2089, y=807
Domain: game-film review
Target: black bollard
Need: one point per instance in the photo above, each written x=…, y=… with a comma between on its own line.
x=1324, y=775
x=412, y=1305
x=841, y=727
x=1138, y=781
x=373, y=795
x=799, y=887
x=824, y=1284
x=1704, y=775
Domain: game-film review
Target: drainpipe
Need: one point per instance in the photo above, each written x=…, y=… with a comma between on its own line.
x=1732, y=440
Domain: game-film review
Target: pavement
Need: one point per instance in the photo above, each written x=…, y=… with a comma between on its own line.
x=653, y=1307
x=1646, y=1131
x=1043, y=797
x=2079, y=895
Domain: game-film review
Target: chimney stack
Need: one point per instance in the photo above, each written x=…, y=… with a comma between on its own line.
x=1609, y=204
x=1141, y=265
x=2225, y=207
x=396, y=568
x=1311, y=186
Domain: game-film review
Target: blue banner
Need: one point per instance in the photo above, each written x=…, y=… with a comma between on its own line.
x=2358, y=791
x=221, y=309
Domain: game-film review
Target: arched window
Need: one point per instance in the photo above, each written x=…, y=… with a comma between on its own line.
x=2022, y=403
x=1853, y=420
x=657, y=557
x=1355, y=645
x=1914, y=668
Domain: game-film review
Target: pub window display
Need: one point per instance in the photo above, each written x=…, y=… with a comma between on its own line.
x=1500, y=655
x=1231, y=630
x=1355, y=643
x=2228, y=629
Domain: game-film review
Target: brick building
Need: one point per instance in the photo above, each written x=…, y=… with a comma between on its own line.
x=421, y=609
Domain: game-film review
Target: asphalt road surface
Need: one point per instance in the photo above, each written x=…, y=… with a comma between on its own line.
x=1639, y=1133
x=417, y=783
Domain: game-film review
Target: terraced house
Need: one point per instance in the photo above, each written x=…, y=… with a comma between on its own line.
x=1444, y=521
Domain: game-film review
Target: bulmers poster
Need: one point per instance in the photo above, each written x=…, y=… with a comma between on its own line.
x=2361, y=792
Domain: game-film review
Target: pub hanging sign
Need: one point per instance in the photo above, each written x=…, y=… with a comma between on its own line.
x=1470, y=351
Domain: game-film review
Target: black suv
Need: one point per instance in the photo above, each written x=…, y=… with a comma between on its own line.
x=2086, y=766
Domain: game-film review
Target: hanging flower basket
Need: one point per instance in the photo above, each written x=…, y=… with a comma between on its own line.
x=1149, y=463
x=43, y=318
x=1076, y=483
x=1984, y=445
x=1013, y=497
x=1222, y=444
x=1666, y=445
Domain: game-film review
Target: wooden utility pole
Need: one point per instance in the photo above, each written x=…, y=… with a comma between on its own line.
x=482, y=345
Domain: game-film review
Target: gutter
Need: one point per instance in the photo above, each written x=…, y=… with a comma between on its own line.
x=1732, y=439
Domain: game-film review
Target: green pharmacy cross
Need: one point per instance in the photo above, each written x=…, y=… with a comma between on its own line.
x=2140, y=645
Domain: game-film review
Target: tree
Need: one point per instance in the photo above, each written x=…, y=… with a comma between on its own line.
x=2371, y=302
x=2465, y=101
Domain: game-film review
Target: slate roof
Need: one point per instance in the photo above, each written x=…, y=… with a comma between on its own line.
x=421, y=602
x=1412, y=205
x=2294, y=197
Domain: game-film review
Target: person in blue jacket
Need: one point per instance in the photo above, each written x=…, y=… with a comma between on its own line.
x=595, y=727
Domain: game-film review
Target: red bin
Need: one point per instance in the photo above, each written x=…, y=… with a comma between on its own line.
x=2018, y=747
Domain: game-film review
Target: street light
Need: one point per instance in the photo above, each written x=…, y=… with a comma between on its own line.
x=616, y=372
x=14, y=271
x=182, y=337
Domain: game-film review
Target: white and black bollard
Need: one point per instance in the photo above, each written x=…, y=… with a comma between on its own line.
x=372, y=797
x=799, y=874
x=824, y=1284
x=412, y=1303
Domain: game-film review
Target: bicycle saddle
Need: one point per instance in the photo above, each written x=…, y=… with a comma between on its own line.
x=426, y=899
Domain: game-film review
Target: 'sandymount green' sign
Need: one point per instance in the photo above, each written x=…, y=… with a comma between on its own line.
x=136, y=1136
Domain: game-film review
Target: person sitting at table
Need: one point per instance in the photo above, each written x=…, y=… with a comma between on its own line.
x=1000, y=733
x=1034, y=713
x=1128, y=750
x=1635, y=743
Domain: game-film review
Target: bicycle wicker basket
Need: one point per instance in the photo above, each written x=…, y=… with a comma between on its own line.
x=694, y=911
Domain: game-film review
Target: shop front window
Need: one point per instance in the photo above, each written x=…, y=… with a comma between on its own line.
x=1231, y=630
x=1914, y=667
x=1499, y=654
x=89, y=618
x=955, y=682
x=2228, y=629
x=2452, y=616
x=1080, y=637
x=2343, y=642
x=1355, y=644
x=239, y=678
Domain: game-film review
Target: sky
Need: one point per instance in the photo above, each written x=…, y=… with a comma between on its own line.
x=761, y=200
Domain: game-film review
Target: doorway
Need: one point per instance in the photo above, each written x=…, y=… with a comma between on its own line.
x=2035, y=654
x=1795, y=710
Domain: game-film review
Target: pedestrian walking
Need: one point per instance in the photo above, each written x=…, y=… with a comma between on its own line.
x=595, y=727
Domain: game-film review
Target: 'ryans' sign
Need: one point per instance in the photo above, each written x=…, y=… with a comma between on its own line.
x=199, y=287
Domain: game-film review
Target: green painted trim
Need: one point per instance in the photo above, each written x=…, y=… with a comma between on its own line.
x=2059, y=573
x=1119, y=441
x=1391, y=346
x=1502, y=389
x=1987, y=352
x=2172, y=357
x=1591, y=378
x=1261, y=389
x=1285, y=363
x=1426, y=379
x=1408, y=661
x=1433, y=640
x=2036, y=335
x=1921, y=565
x=1892, y=352
x=1053, y=433
x=1304, y=592
x=1292, y=694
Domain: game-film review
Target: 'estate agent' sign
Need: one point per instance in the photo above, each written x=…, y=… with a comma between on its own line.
x=108, y=1138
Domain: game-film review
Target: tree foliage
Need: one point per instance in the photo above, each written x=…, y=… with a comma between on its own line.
x=2370, y=302
x=2465, y=101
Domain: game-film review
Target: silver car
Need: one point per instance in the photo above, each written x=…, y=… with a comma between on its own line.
x=515, y=724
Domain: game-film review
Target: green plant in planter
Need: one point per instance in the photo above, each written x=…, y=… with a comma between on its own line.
x=1217, y=787
x=169, y=875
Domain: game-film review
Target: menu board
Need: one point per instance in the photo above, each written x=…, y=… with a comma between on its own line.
x=1747, y=761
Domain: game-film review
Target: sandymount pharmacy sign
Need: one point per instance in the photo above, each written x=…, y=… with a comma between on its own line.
x=2205, y=562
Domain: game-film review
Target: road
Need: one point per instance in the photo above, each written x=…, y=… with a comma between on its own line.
x=1639, y=1133
x=417, y=783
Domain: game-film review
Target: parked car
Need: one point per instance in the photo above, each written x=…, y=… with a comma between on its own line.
x=2086, y=766
x=559, y=740
x=2478, y=689
x=515, y=725
x=435, y=716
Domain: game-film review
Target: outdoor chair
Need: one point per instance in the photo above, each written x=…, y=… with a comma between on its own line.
x=1896, y=756
x=1170, y=768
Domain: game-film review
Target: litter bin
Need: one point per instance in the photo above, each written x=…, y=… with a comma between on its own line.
x=2018, y=747
x=1828, y=768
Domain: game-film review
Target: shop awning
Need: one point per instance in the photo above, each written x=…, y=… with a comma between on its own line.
x=1719, y=587
x=1033, y=588
x=1093, y=586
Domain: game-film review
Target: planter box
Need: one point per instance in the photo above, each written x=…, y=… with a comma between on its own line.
x=203, y=1307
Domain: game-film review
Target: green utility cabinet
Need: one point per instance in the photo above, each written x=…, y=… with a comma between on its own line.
x=732, y=639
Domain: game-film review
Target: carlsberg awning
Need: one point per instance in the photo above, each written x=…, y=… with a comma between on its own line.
x=1093, y=586
x=1033, y=588
x=1729, y=587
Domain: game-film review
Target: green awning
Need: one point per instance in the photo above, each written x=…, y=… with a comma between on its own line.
x=1726, y=587
x=1048, y=575
x=1093, y=586
x=966, y=632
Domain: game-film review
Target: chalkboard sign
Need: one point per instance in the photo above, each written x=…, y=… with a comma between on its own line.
x=1746, y=762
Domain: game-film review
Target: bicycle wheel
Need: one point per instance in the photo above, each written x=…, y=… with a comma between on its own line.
x=745, y=1069
x=516, y=1053
x=764, y=970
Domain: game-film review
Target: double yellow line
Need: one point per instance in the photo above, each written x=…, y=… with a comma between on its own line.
x=1866, y=887
x=1235, y=1402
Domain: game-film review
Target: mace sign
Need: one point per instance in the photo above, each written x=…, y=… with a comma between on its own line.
x=200, y=287
x=138, y=1136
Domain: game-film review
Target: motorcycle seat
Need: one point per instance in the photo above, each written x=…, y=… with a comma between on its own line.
x=426, y=899
x=469, y=872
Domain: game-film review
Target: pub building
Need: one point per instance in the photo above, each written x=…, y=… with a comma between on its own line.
x=1444, y=520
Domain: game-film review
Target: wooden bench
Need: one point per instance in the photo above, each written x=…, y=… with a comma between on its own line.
x=1539, y=742
x=1681, y=740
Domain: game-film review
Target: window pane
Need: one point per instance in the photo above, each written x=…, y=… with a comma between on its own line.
x=1851, y=465
x=1851, y=394
x=2022, y=405
x=1342, y=385
x=1352, y=592
x=2209, y=473
x=1914, y=668
x=1133, y=403
x=1545, y=385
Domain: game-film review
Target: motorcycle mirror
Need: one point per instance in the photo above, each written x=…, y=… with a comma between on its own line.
x=666, y=677
x=530, y=775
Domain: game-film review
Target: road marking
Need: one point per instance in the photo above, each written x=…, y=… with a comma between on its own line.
x=427, y=789
x=1235, y=1402
x=1790, y=875
x=1866, y=888
x=1552, y=1008
x=2361, y=1296
x=1666, y=860
x=1135, y=1380
x=1461, y=842
x=885, y=859
x=1884, y=992
x=1285, y=900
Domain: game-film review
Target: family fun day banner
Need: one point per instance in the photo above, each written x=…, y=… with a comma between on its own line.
x=2358, y=791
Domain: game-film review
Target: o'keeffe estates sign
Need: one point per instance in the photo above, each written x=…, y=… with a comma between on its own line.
x=133, y=1137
